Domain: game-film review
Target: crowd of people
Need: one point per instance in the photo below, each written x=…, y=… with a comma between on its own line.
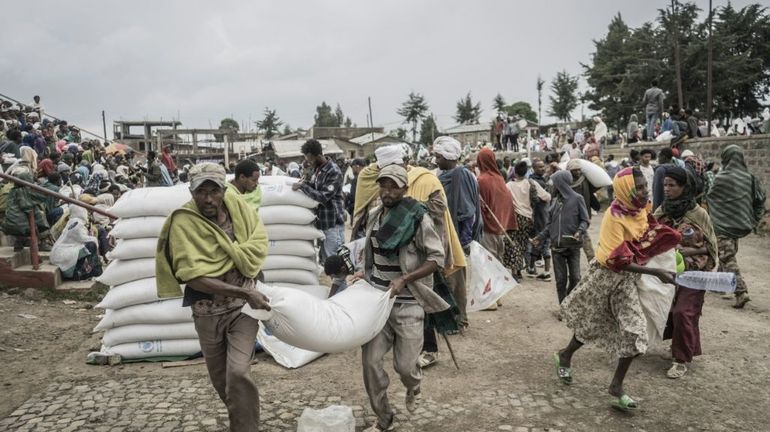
x=411, y=225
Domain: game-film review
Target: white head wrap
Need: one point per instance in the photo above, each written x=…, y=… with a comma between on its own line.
x=389, y=155
x=448, y=147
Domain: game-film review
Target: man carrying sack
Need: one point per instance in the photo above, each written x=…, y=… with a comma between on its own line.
x=216, y=244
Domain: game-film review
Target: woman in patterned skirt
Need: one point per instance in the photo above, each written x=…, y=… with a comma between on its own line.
x=605, y=307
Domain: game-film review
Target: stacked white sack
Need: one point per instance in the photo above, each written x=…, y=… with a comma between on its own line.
x=137, y=324
x=289, y=218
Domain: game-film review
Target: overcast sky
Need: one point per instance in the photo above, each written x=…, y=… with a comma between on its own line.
x=207, y=60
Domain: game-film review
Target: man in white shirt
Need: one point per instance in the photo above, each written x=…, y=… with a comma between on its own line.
x=645, y=167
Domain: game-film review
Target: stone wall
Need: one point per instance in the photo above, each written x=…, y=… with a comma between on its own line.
x=756, y=150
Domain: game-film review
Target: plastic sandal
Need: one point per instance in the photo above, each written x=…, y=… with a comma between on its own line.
x=563, y=373
x=625, y=404
x=678, y=370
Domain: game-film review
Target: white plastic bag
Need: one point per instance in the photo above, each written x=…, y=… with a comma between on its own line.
x=656, y=297
x=300, y=248
x=160, y=312
x=293, y=232
x=336, y=418
x=277, y=262
x=155, y=348
x=138, y=227
x=299, y=277
x=345, y=321
x=151, y=201
x=281, y=194
x=120, y=271
x=144, y=332
x=283, y=353
x=284, y=214
x=130, y=293
x=133, y=248
x=488, y=279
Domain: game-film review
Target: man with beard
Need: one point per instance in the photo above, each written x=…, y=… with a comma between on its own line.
x=401, y=253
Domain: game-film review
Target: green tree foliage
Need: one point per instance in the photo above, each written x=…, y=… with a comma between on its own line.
x=564, y=98
x=499, y=103
x=339, y=115
x=539, y=87
x=413, y=110
x=324, y=117
x=399, y=133
x=521, y=109
x=626, y=60
x=348, y=122
x=270, y=123
x=286, y=130
x=467, y=111
x=227, y=124
x=428, y=130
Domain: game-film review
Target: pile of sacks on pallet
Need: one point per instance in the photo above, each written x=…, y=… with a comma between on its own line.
x=139, y=325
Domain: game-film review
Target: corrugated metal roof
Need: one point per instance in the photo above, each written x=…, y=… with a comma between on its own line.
x=368, y=138
x=483, y=127
x=293, y=148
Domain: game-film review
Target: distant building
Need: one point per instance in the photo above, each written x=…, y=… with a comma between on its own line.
x=291, y=150
x=340, y=132
x=141, y=135
x=365, y=145
x=471, y=134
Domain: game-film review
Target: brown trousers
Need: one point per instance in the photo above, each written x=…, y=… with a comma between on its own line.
x=227, y=342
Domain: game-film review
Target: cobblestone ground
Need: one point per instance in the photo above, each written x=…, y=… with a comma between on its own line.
x=189, y=405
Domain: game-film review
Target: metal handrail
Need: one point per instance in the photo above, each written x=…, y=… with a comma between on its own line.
x=33, y=249
x=65, y=198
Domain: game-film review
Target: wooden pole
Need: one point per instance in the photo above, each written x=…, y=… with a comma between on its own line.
x=33, y=249
x=709, y=78
x=104, y=126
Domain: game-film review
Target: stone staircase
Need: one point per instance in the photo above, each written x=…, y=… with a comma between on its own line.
x=16, y=271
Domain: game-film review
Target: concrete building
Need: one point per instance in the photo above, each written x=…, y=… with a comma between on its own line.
x=471, y=134
x=341, y=132
x=291, y=150
x=365, y=145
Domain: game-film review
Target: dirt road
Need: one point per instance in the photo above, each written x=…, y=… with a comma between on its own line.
x=506, y=381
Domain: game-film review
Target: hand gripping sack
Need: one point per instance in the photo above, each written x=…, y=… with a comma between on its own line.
x=488, y=279
x=345, y=321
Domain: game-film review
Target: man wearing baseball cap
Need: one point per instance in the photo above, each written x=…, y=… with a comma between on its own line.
x=401, y=253
x=216, y=244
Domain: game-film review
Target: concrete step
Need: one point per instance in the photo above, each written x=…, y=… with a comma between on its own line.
x=47, y=276
x=77, y=287
x=21, y=258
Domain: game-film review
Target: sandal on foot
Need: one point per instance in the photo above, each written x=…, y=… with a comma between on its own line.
x=563, y=373
x=678, y=370
x=625, y=404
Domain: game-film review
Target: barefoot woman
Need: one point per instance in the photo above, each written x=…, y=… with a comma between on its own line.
x=605, y=307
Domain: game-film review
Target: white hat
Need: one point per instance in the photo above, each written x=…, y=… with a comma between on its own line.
x=687, y=153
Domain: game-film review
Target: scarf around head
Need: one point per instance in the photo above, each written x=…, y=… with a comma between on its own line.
x=677, y=208
x=399, y=225
x=497, y=208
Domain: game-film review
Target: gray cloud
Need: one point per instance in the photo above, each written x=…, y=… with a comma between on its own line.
x=208, y=60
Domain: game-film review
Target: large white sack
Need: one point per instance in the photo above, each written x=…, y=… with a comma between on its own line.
x=301, y=248
x=293, y=232
x=161, y=312
x=138, y=227
x=129, y=294
x=488, y=279
x=277, y=262
x=345, y=321
x=120, y=271
x=151, y=201
x=284, y=214
x=317, y=291
x=145, y=332
x=300, y=277
x=155, y=348
x=283, y=353
x=133, y=248
x=595, y=174
x=656, y=297
x=280, y=193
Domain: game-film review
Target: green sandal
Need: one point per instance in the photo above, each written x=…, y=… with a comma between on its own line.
x=563, y=373
x=625, y=404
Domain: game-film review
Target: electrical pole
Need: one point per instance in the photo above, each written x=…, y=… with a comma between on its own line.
x=104, y=125
x=677, y=63
x=371, y=119
x=709, y=100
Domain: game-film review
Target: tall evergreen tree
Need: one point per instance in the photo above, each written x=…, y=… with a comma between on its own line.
x=324, y=117
x=499, y=103
x=564, y=98
x=270, y=123
x=413, y=110
x=467, y=111
x=428, y=130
